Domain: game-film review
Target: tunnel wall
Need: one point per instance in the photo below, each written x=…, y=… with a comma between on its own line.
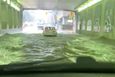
x=98, y=20
x=10, y=18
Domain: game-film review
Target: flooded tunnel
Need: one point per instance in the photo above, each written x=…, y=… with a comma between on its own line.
x=56, y=31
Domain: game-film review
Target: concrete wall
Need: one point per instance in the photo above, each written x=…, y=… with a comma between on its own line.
x=10, y=18
x=98, y=20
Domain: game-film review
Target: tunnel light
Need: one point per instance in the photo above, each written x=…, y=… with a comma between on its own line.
x=86, y=5
x=14, y=6
x=19, y=1
x=8, y=1
x=4, y=0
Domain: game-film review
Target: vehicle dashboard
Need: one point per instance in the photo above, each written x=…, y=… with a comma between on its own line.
x=61, y=75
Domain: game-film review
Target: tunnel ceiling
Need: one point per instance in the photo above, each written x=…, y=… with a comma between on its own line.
x=51, y=4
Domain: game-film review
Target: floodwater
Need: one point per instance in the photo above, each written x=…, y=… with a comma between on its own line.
x=41, y=48
x=15, y=48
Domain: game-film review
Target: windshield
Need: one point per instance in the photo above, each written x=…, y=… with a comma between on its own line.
x=29, y=34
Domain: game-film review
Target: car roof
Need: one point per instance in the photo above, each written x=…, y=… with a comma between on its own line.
x=50, y=26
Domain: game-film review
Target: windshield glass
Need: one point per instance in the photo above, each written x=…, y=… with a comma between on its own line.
x=56, y=36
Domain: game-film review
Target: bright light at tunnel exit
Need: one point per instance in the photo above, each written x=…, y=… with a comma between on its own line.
x=30, y=28
x=88, y=4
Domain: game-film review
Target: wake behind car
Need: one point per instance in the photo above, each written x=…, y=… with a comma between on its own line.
x=50, y=31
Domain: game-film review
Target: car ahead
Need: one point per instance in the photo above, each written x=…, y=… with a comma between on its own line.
x=50, y=31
